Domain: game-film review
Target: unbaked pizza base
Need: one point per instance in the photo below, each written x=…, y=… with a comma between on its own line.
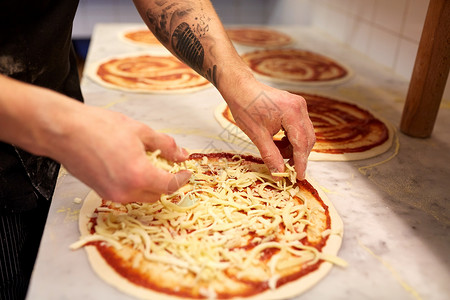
x=314, y=156
x=124, y=39
x=273, y=44
x=289, y=83
x=288, y=290
x=91, y=72
x=297, y=83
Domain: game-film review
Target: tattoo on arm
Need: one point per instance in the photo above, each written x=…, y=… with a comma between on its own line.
x=184, y=41
x=211, y=75
x=160, y=25
x=187, y=46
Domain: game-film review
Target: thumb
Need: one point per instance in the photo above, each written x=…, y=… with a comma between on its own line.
x=178, y=180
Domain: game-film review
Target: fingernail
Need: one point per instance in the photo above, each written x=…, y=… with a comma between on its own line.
x=182, y=154
x=185, y=152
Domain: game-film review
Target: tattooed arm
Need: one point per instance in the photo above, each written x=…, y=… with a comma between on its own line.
x=192, y=31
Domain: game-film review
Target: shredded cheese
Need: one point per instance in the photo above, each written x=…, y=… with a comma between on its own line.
x=206, y=227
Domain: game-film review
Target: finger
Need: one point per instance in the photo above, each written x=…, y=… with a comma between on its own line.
x=150, y=187
x=300, y=133
x=302, y=141
x=141, y=196
x=162, y=182
x=178, y=180
x=154, y=140
x=159, y=182
x=270, y=153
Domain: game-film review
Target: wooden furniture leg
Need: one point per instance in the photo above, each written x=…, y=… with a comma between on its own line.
x=430, y=72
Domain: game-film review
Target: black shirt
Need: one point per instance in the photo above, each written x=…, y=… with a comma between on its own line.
x=35, y=47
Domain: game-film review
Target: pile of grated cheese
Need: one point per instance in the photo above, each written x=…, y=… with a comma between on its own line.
x=205, y=227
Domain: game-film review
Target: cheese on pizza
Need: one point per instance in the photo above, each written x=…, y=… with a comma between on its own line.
x=344, y=131
x=147, y=73
x=260, y=37
x=295, y=66
x=232, y=231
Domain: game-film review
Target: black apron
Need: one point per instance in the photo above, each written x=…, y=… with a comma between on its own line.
x=35, y=47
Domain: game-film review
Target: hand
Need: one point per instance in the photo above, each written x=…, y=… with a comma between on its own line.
x=261, y=111
x=107, y=151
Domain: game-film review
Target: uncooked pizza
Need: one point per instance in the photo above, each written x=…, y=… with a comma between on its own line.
x=258, y=37
x=140, y=36
x=344, y=131
x=147, y=73
x=231, y=232
x=296, y=66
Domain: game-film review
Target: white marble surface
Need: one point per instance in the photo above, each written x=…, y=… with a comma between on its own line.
x=395, y=207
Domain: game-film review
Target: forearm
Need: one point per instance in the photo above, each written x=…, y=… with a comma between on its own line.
x=32, y=117
x=192, y=31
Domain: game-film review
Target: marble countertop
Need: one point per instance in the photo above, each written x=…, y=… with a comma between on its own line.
x=395, y=207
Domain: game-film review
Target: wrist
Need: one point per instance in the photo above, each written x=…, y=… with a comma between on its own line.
x=30, y=116
x=50, y=122
x=237, y=83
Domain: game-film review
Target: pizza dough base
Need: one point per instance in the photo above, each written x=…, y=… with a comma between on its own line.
x=91, y=72
x=306, y=83
x=122, y=38
x=288, y=290
x=269, y=46
x=315, y=156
